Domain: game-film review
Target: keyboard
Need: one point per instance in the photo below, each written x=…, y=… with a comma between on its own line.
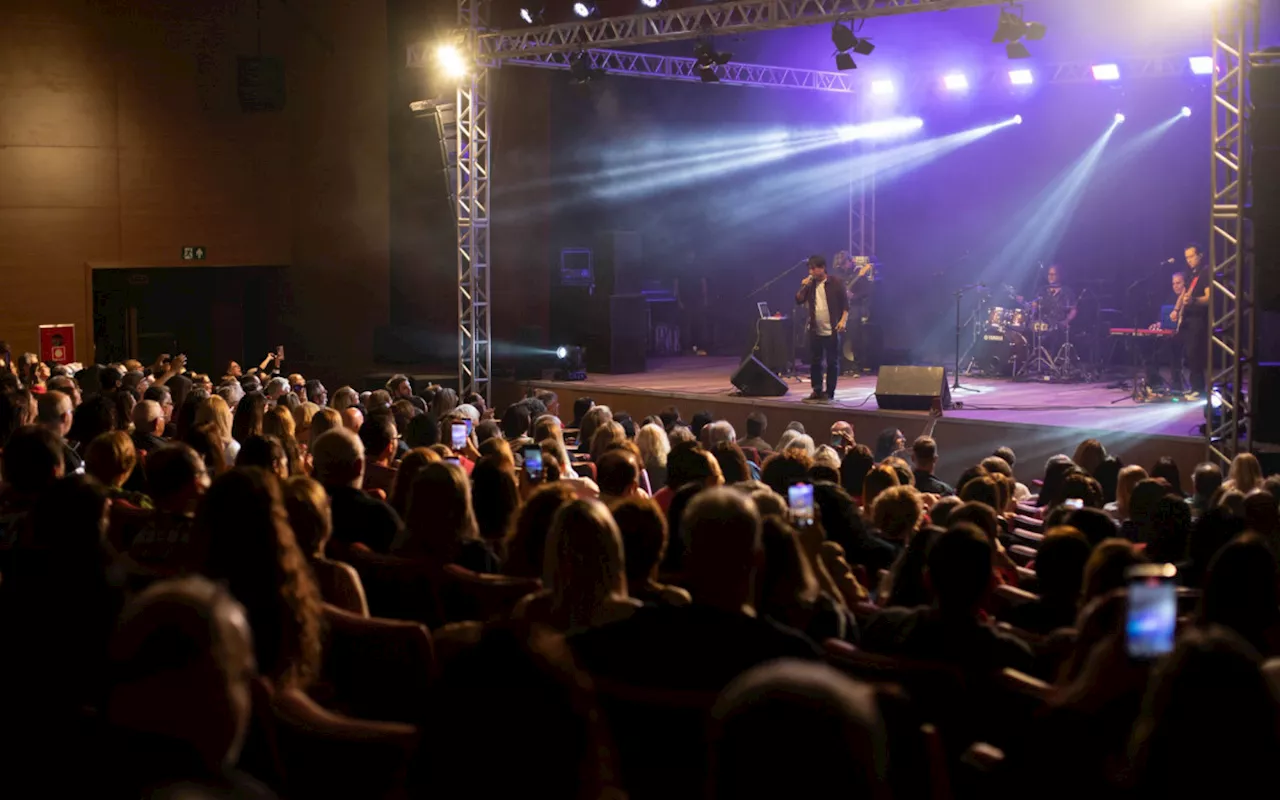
x=1141, y=332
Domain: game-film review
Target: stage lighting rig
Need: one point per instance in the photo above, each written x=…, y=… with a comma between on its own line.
x=583, y=9
x=580, y=69
x=532, y=15
x=707, y=59
x=844, y=39
x=1012, y=28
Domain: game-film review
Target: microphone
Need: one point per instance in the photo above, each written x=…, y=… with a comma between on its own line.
x=1170, y=261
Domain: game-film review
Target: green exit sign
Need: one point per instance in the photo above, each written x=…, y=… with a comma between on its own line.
x=196, y=253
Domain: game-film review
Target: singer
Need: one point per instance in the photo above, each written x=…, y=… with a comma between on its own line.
x=828, y=315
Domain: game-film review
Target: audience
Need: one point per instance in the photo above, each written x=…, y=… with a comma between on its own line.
x=702, y=606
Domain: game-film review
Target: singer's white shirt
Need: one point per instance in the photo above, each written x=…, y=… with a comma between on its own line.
x=821, y=314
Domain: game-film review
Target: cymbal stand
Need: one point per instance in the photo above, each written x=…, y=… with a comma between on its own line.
x=1042, y=364
x=960, y=293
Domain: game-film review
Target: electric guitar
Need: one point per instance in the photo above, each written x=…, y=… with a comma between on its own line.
x=1181, y=305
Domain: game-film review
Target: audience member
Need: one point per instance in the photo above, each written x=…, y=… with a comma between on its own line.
x=337, y=462
x=440, y=526
x=924, y=451
x=757, y=424
x=307, y=507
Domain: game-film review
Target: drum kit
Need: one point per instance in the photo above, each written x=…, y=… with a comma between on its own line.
x=1011, y=340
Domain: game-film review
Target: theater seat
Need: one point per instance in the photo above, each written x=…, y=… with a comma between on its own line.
x=376, y=668
x=467, y=595
x=752, y=454
x=324, y=754
x=1021, y=554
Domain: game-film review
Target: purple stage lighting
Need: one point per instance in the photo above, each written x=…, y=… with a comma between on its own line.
x=1017, y=119
x=1119, y=117
x=1106, y=72
x=882, y=87
x=1021, y=77
x=955, y=82
x=1201, y=65
x=650, y=3
x=582, y=9
x=1186, y=111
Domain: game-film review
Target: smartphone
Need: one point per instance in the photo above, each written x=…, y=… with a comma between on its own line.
x=800, y=500
x=458, y=432
x=1152, y=617
x=1074, y=503
x=533, y=462
x=837, y=440
x=279, y=352
x=468, y=421
x=454, y=461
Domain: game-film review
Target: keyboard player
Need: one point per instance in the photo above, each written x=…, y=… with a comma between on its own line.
x=1168, y=352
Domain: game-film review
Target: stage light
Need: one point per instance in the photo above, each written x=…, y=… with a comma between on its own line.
x=650, y=3
x=583, y=10
x=707, y=59
x=843, y=37
x=562, y=352
x=1119, y=118
x=1016, y=50
x=451, y=60
x=1009, y=28
x=1201, y=65
x=1106, y=72
x=1017, y=119
x=883, y=129
x=864, y=47
x=1186, y=111
x=955, y=82
x=1021, y=77
x=882, y=87
x=844, y=62
x=580, y=70
x=526, y=15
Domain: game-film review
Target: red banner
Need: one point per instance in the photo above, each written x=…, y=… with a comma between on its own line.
x=58, y=343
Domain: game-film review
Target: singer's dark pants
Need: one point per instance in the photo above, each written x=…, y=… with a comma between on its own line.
x=820, y=347
x=1195, y=339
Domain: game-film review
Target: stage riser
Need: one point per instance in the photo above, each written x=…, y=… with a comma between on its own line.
x=961, y=442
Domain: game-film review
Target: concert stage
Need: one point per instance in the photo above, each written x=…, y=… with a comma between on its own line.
x=1038, y=420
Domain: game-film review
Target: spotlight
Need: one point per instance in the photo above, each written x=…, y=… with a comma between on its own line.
x=530, y=16
x=955, y=82
x=864, y=47
x=1036, y=31
x=571, y=363
x=650, y=3
x=451, y=60
x=562, y=352
x=1106, y=72
x=1201, y=65
x=1119, y=117
x=580, y=70
x=1009, y=28
x=1186, y=111
x=708, y=58
x=843, y=37
x=1017, y=119
x=1016, y=50
x=882, y=87
x=844, y=62
x=583, y=9
x=1021, y=77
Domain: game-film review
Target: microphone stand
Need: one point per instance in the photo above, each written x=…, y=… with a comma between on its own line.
x=955, y=386
x=776, y=278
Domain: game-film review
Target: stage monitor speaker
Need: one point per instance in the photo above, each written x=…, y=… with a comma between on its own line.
x=754, y=379
x=912, y=388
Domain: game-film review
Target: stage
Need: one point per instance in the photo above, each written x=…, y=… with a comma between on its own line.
x=1036, y=419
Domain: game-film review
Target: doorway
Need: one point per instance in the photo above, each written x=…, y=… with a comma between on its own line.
x=212, y=314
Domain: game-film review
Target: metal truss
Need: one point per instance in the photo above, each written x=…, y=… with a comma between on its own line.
x=471, y=201
x=681, y=68
x=724, y=19
x=1232, y=333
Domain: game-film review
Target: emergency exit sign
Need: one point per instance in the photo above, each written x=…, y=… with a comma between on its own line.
x=196, y=253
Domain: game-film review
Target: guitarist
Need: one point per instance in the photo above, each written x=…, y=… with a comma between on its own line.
x=1192, y=317
x=860, y=283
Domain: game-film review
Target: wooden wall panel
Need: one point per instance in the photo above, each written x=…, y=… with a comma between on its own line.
x=122, y=140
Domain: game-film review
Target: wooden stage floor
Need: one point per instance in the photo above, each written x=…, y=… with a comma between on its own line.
x=1038, y=418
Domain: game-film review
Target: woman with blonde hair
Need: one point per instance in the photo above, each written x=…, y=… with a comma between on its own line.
x=608, y=434
x=307, y=505
x=413, y=463
x=548, y=427
x=1129, y=477
x=1245, y=474
x=439, y=526
x=111, y=458
x=654, y=449
x=302, y=416
x=279, y=422
x=583, y=571
x=215, y=411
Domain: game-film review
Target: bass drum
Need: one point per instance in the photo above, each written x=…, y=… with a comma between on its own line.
x=999, y=352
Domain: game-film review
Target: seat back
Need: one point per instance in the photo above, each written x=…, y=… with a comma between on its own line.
x=377, y=668
x=330, y=755
x=397, y=588
x=466, y=595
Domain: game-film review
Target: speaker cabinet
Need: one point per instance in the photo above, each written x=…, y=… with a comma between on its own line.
x=754, y=379
x=619, y=337
x=911, y=388
x=774, y=338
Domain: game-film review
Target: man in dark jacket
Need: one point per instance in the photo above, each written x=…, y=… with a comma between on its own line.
x=828, y=315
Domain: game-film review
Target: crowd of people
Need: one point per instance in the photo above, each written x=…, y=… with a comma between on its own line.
x=604, y=606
